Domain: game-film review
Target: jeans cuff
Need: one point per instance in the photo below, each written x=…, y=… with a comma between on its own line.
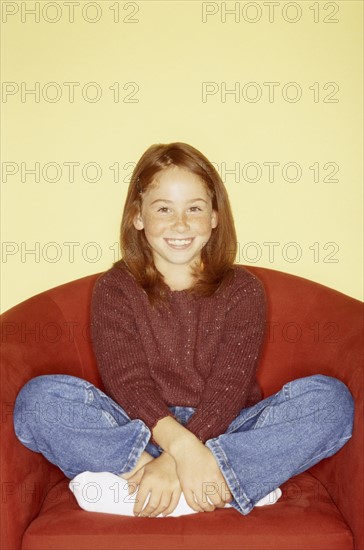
x=241, y=502
x=138, y=447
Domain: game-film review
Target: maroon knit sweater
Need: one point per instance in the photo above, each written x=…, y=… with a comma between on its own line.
x=202, y=353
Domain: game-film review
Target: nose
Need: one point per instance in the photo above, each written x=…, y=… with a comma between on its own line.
x=180, y=222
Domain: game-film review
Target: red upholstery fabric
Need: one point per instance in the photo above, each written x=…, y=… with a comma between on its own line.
x=303, y=519
x=311, y=330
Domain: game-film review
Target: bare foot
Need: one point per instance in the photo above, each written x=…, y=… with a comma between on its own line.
x=144, y=459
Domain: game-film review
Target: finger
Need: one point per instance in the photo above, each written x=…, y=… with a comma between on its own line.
x=211, y=496
x=219, y=495
x=141, y=498
x=152, y=505
x=226, y=494
x=215, y=500
x=134, y=481
x=204, y=503
x=221, y=505
x=132, y=487
x=163, y=505
x=219, y=502
x=173, y=504
x=189, y=496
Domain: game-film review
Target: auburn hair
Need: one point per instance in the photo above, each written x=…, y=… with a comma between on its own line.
x=217, y=256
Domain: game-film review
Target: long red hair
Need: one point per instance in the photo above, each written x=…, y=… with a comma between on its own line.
x=217, y=256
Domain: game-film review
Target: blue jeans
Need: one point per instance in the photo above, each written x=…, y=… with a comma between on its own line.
x=79, y=428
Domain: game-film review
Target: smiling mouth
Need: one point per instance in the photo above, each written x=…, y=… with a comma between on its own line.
x=179, y=243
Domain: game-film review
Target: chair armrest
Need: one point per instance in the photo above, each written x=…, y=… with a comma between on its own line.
x=326, y=337
x=339, y=353
x=26, y=476
x=27, y=351
x=342, y=474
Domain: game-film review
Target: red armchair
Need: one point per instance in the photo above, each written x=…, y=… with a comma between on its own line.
x=312, y=329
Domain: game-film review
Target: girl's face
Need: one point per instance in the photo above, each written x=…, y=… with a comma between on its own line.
x=177, y=218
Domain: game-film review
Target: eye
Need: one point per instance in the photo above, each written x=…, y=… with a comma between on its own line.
x=162, y=208
x=197, y=208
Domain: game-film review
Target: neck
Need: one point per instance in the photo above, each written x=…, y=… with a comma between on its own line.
x=177, y=280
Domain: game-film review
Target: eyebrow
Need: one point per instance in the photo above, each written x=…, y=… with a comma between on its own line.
x=165, y=200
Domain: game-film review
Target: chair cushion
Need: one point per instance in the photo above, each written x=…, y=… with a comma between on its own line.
x=305, y=518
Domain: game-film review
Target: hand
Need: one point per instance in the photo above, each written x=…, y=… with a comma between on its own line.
x=200, y=476
x=158, y=477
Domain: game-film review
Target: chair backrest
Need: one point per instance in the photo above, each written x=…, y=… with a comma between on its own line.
x=311, y=329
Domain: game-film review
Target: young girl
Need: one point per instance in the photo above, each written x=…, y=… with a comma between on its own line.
x=177, y=331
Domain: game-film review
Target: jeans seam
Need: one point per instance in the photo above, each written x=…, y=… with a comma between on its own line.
x=316, y=457
x=287, y=391
x=245, y=420
x=262, y=417
x=110, y=419
x=111, y=402
x=89, y=396
x=24, y=440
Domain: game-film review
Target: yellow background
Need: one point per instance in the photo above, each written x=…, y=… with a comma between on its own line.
x=169, y=52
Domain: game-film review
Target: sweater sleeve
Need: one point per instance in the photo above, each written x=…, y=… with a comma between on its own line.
x=120, y=356
x=233, y=373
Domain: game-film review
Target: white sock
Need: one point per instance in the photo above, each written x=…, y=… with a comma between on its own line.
x=107, y=493
x=271, y=498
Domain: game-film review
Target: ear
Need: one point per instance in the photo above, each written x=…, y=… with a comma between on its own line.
x=138, y=222
x=214, y=219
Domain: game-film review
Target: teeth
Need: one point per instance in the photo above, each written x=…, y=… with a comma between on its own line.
x=179, y=241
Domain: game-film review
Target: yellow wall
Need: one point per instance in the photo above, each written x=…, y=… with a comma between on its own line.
x=164, y=56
